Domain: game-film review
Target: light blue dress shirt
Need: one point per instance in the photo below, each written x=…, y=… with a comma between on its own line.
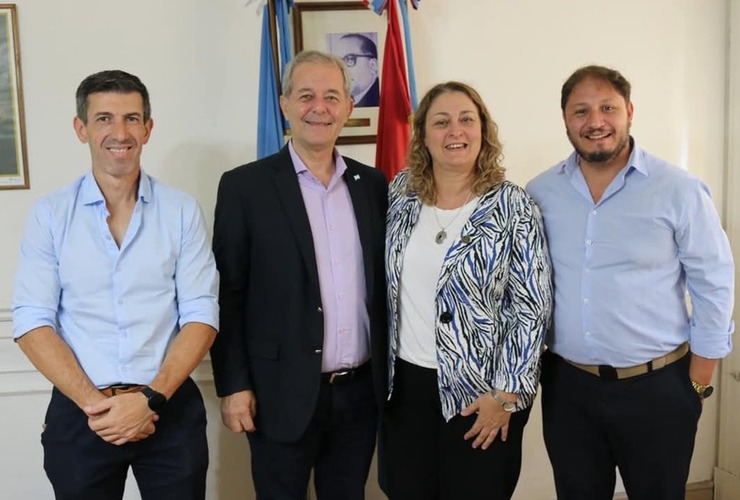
x=622, y=266
x=117, y=309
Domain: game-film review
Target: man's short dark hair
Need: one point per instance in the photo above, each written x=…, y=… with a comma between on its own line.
x=595, y=72
x=113, y=80
x=367, y=46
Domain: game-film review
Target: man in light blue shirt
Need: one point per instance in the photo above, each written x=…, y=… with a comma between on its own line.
x=628, y=364
x=115, y=302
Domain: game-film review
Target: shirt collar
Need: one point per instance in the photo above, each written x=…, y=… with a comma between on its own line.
x=301, y=167
x=91, y=193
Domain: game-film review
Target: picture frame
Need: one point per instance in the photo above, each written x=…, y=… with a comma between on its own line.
x=348, y=30
x=13, y=156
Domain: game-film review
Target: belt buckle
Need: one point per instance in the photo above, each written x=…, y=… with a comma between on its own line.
x=120, y=388
x=339, y=376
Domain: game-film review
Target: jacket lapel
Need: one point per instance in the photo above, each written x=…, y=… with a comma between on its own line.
x=291, y=198
x=359, y=192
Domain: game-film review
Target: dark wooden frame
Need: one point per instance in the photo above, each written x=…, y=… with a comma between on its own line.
x=365, y=118
x=12, y=76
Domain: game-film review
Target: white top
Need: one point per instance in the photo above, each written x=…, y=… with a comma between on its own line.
x=422, y=264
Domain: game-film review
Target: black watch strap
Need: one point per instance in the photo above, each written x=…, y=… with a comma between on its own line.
x=155, y=400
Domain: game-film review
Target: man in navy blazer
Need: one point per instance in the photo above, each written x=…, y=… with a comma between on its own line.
x=300, y=361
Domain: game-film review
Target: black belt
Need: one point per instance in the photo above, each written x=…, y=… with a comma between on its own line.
x=345, y=375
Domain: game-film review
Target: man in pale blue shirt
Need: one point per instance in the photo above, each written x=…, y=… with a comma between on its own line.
x=628, y=364
x=115, y=302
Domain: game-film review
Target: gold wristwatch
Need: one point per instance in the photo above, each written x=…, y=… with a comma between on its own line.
x=704, y=391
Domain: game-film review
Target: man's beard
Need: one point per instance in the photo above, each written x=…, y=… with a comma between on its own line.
x=600, y=156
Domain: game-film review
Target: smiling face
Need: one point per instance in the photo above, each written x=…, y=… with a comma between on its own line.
x=452, y=132
x=116, y=133
x=597, y=120
x=317, y=106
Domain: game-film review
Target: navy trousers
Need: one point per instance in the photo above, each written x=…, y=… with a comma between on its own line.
x=170, y=464
x=643, y=425
x=338, y=446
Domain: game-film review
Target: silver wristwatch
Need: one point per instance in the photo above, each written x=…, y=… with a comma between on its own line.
x=509, y=406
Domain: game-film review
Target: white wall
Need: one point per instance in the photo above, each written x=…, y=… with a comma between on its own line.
x=200, y=62
x=727, y=473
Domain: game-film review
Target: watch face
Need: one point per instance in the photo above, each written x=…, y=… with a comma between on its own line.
x=510, y=407
x=708, y=390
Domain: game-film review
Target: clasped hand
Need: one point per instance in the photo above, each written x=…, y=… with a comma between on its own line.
x=121, y=419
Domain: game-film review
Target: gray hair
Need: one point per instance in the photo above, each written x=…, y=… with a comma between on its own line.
x=314, y=56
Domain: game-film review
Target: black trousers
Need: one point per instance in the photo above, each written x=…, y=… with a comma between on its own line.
x=426, y=458
x=643, y=425
x=338, y=446
x=170, y=464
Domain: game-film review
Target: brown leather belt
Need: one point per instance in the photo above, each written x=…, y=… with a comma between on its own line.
x=345, y=375
x=612, y=373
x=112, y=390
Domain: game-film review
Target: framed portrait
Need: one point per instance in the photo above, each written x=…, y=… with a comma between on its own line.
x=13, y=161
x=355, y=34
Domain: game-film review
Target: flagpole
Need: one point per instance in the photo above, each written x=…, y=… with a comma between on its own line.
x=274, y=43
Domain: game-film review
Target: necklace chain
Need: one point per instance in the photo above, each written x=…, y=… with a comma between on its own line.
x=441, y=235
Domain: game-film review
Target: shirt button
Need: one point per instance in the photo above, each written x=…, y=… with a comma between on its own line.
x=120, y=302
x=594, y=212
x=585, y=301
x=319, y=310
x=466, y=239
x=445, y=317
x=588, y=242
x=588, y=334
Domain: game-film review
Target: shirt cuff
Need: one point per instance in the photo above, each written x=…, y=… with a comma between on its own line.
x=711, y=344
x=28, y=318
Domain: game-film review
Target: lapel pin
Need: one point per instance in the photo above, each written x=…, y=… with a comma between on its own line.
x=357, y=177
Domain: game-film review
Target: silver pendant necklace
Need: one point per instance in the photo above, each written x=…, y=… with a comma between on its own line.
x=441, y=235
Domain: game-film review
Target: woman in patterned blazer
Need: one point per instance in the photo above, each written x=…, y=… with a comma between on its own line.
x=469, y=301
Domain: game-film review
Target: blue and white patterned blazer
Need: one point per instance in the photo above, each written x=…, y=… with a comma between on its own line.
x=494, y=295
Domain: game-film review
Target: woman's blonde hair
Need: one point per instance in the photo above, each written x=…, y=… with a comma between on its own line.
x=489, y=171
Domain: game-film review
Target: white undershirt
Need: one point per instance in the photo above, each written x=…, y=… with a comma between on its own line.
x=422, y=263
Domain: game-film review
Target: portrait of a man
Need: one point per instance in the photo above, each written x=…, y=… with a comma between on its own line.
x=359, y=51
